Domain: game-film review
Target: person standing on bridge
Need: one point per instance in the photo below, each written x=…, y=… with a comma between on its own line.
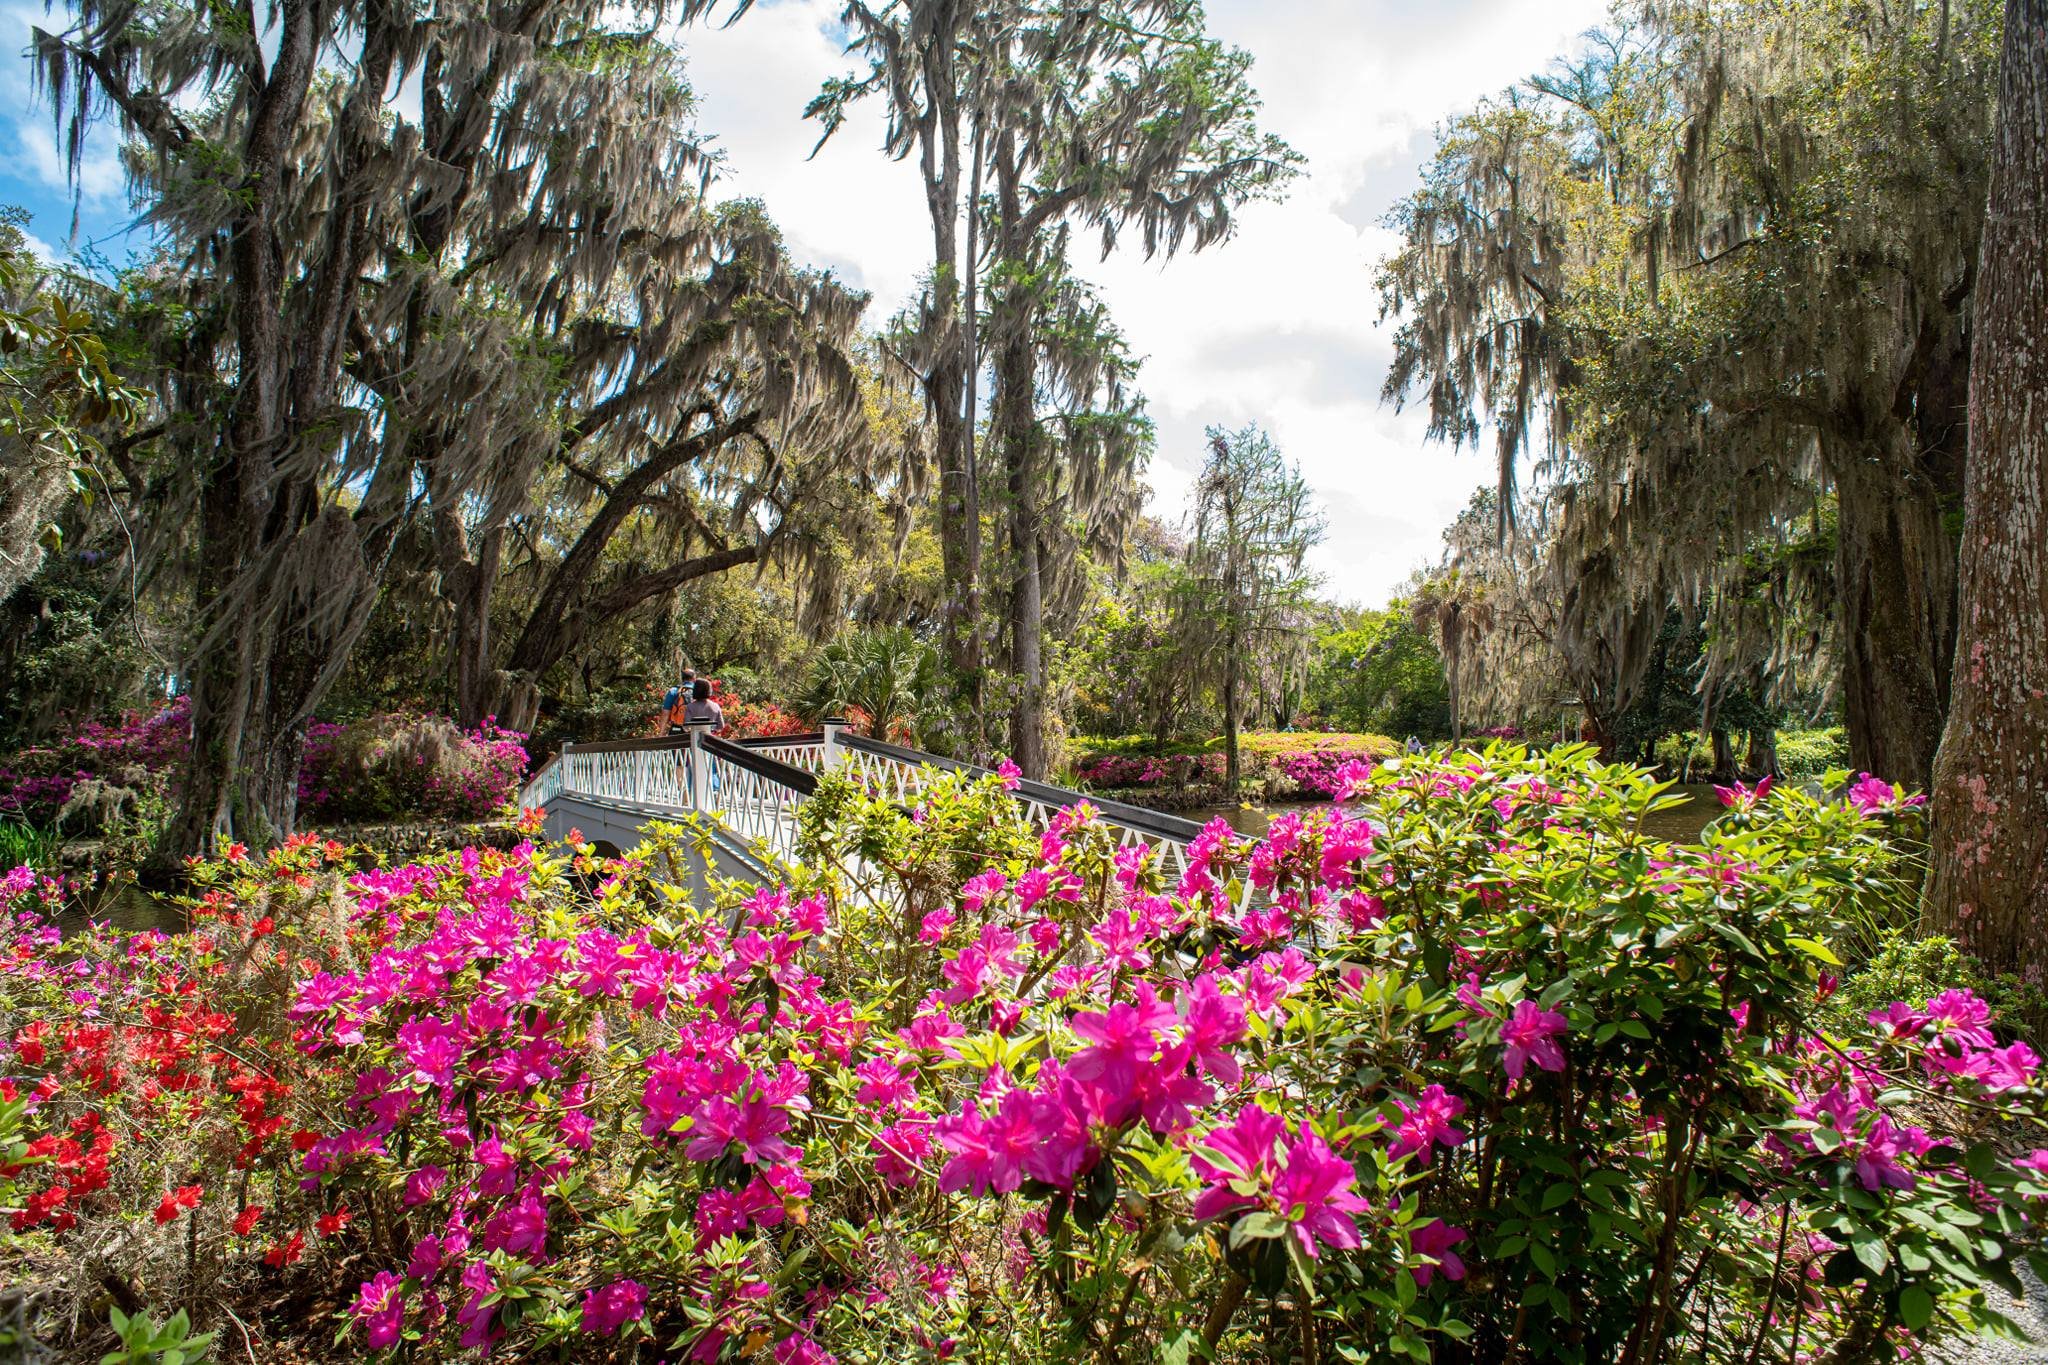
x=701, y=708
x=675, y=705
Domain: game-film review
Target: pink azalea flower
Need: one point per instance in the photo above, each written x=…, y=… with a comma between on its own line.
x=989, y=1153
x=754, y=1123
x=1010, y=774
x=1877, y=1158
x=423, y=1184
x=899, y=1149
x=1434, y=1240
x=2002, y=1069
x=1899, y=1019
x=1125, y=1039
x=1314, y=1191
x=610, y=1308
x=1213, y=1024
x=1239, y=1154
x=1427, y=1121
x=883, y=1086
x=1871, y=795
x=1741, y=796
x=1530, y=1034
x=380, y=1307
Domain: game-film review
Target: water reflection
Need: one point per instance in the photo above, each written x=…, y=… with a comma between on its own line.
x=126, y=906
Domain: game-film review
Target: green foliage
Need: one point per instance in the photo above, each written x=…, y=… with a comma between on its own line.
x=1807, y=755
x=1380, y=673
x=888, y=675
x=1906, y=966
x=56, y=388
x=27, y=846
x=145, y=1341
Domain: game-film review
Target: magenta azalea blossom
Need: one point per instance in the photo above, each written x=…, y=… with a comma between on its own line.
x=1315, y=1193
x=1427, y=1121
x=610, y=1308
x=1530, y=1035
x=1212, y=1025
x=1241, y=1152
x=1435, y=1239
x=989, y=1153
x=754, y=1123
x=381, y=1309
x=1125, y=1039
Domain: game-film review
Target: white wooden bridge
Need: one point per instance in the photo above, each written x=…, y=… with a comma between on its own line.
x=755, y=788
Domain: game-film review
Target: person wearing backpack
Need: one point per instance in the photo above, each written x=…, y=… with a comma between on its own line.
x=675, y=704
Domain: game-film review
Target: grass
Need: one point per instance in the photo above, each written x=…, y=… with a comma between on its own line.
x=25, y=844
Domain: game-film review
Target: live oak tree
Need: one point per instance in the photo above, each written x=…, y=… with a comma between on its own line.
x=925, y=62
x=1724, y=264
x=1988, y=859
x=1247, y=591
x=395, y=316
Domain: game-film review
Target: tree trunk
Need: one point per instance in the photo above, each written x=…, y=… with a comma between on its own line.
x=1013, y=427
x=1988, y=872
x=1027, y=597
x=1763, y=753
x=1895, y=568
x=1724, y=756
x=1232, y=663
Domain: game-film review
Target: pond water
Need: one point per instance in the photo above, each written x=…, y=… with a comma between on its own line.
x=126, y=906
x=1681, y=824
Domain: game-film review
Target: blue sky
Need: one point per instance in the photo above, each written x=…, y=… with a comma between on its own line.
x=31, y=174
x=1278, y=326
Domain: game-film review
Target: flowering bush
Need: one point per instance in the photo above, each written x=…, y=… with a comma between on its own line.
x=140, y=749
x=1488, y=1074
x=379, y=768
x=1318, y=772
x=154, y=1103
x=1122, y=771
x=760, y=720
x=409, y=765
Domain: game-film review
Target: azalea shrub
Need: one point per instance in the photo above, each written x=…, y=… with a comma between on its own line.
x=759, y=720
x=410, y=766
x=98, y=763
x=1468, y=1068
x=151, y=1108
x=1124, y=771
x=1318, y=772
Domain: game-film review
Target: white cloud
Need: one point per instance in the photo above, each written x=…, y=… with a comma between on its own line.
x=1279, y=325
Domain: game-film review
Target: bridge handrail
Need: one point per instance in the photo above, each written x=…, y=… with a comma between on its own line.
x=1144, y=821
x=775, y=769
x=780, y=741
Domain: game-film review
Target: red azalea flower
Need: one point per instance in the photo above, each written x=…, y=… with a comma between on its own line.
x=246, y=1220
x=284, y=1253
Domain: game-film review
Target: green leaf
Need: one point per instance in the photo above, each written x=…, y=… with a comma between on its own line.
x=1559, y=1195
x=1813, y=947
x=1916, y=1307
x=1256, y=1227
x=1869, y=1249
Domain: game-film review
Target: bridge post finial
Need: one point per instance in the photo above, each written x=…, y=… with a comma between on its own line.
x=832, y=725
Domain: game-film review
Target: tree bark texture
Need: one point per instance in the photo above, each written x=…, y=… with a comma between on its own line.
x=1988, y=874
x=1895, y=567
x=1013, y=422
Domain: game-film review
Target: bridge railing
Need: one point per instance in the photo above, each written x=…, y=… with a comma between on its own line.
x=758, y=786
